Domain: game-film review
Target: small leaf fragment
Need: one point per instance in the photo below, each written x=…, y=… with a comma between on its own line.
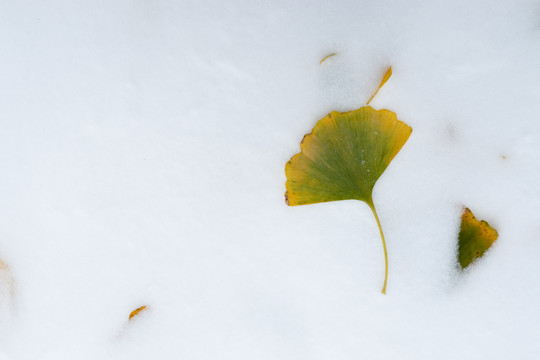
x=326, y=57
x=137, y=311
x=383, y=81
x=475, y=238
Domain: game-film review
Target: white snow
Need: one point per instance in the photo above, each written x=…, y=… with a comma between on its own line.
x=142, y=154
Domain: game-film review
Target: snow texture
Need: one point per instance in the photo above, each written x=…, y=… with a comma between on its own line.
x=143, y=146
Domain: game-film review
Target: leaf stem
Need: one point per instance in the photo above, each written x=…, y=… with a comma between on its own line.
x=372, y=206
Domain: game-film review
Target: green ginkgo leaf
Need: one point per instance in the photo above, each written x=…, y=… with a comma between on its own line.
x=475, y=238
x=343, y=157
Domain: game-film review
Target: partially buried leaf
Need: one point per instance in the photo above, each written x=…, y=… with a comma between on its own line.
x=343, y=157
x=475, y=237
x=137, y=311
x=327, y=57
x=383, y=81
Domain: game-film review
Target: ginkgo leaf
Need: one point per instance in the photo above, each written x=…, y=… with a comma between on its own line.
x=475, y=238
x=137, y=311
x=343, y=157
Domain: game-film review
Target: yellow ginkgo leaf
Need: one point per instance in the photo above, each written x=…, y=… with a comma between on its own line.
x=137, y=311
x=343, y=157
x=475, y=238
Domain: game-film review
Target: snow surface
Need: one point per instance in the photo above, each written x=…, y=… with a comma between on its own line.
x=143, y=146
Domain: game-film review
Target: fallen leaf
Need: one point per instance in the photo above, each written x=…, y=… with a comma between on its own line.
x=137, y=311
x=343, y=157
x=326, y=57
x=475, y=238
x=383, y=81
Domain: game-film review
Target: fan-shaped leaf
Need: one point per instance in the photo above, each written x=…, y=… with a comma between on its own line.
x=343, y=157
